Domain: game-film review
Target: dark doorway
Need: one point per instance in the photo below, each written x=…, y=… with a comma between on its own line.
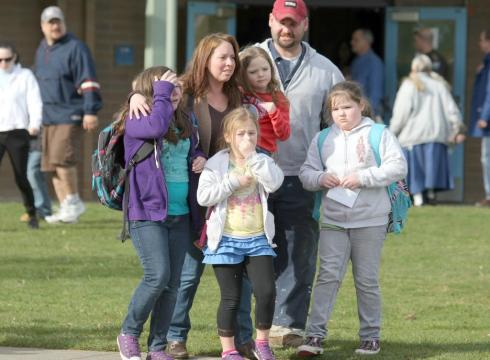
x=330, y=29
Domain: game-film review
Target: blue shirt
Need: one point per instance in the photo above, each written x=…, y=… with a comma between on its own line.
x=175, y=167
x=284, y=68
x=367, y=69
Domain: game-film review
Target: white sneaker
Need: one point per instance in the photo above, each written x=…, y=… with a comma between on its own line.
x=73, y=209
x=56, y=217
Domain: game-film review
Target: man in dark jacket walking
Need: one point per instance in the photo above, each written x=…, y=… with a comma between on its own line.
x=480, y=113
x=71, y=98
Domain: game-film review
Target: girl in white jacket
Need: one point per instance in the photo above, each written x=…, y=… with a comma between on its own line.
x=354, y=214
x=235, y=182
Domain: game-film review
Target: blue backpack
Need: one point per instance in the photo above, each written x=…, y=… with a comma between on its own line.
x=109, y=173
x=397, y=191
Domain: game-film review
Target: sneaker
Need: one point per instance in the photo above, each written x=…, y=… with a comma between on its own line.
x=129, y=348
x=312, y=346
x=73, y=209
x=177, y=350
x=235, y=355
x=247, y=350
x=281, y=336
x=483, y=203
x=158, y=355
x=369, y=347
x=263, y=351
x=55, y=218
x=33, y=223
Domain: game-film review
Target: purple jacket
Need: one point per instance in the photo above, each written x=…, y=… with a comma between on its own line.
x=148, y=193
x=147, y=190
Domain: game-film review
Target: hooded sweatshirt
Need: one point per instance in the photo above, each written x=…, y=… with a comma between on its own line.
x=347, y=152
x=307, y=93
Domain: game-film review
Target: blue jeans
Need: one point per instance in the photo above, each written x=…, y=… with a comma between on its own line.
x=161, y=247
x=485, y=162
x=42, y=201
x=189, y=281
x=297, y=245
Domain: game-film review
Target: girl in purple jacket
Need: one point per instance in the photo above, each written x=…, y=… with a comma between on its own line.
x=161, y=205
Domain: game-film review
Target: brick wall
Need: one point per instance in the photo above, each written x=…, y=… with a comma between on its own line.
x=102, y=24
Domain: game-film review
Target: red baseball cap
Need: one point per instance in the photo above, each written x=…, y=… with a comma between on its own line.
x=294, y=9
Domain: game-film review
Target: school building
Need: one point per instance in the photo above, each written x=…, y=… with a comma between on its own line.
x=127, y=35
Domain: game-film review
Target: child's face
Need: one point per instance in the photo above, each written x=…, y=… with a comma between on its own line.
x=346, y=113
x=244, y=136
x=259, y=74
x=176, y=95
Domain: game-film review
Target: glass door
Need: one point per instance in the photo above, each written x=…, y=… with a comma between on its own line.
x=448, y=25
x=205, y=18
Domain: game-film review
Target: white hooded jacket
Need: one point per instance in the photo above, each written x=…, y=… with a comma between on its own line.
x=216, y=185
x=346, y=152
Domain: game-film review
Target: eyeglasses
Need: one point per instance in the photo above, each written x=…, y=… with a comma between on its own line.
x=7, y=60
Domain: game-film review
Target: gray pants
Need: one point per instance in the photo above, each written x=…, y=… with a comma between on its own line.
x=363, y=247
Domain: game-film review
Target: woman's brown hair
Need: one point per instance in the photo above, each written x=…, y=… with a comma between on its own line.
x=143, y=85
x=195, y=80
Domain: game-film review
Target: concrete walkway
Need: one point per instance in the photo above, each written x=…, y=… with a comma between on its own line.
x=9, y=353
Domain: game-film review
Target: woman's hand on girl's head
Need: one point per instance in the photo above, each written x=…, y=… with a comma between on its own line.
x=137, y=106
x=198, y=164
x=329, y=181
x=169, y=76
x=351, y=181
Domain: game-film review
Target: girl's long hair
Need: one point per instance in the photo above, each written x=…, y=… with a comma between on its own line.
x=247, y=55
x=350, y=90
x=143, y=84
x=195, y=79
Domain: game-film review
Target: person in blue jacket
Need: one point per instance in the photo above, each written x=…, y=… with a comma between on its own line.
x=368, y=70
x=480, y=112
x=65, y=71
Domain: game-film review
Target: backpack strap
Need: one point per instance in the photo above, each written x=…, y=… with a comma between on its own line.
x=375, y=135
x=319, y=194
x=321, y=139
x=142, y=153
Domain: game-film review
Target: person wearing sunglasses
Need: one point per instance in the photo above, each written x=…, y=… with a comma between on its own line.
x=20, y=117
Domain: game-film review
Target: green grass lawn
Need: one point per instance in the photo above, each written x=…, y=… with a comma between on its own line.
x=68, y=287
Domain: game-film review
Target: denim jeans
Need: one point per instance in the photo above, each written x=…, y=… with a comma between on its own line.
x=362, y=247
x=161, y=247
x=485, y=162
x=297, y=244
x=189, y=281
x=42, y=201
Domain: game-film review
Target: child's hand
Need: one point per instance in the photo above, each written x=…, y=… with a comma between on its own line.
x=245, y=180
x=270, y=107
x=351, y=182
x=198, y=164
x=169, y=76
x=246, y=147
x=137, y=106
x=329, y=181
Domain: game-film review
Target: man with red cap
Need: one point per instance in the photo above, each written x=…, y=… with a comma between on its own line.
x=306, y=78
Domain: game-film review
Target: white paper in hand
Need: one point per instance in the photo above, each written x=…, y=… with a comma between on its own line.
x=344, y=196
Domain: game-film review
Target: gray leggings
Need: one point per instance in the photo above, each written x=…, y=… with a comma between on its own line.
x=363, y=247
